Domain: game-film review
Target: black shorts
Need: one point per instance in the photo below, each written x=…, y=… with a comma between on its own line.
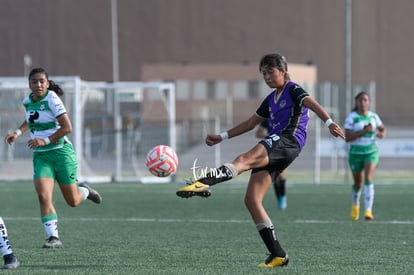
x=282, y=151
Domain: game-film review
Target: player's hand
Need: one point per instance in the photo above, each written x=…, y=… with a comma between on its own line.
x=213, y=139
x=336, y=131
x=10, y=138
x=368, y=128
x=36, y=142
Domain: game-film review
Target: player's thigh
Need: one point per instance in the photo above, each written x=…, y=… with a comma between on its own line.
x=282, y=151
x=370, y=165
x=372, y=157
x=356, y=162
x=43, y=166
x=66, y=168
x=256, y=157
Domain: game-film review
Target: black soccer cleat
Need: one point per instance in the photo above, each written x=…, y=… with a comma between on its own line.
x=93, y=194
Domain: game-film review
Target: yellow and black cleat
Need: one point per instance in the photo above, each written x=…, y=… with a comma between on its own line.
x=354, y=212
x=194, y=189
x=273, y=261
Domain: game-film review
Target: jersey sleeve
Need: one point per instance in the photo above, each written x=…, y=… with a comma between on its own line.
x=264, y=124
x=298, y=94
x=378, y=120
x=349, y=122
x=263, y=110
x=56, y=106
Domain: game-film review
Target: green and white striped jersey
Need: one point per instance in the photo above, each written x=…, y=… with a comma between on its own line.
x=356, y=122
x=41, y=118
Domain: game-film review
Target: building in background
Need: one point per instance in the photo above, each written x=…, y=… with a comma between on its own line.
x=75, y=38
x=232, y=92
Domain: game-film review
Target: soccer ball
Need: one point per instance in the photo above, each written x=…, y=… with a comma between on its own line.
x=162, y=161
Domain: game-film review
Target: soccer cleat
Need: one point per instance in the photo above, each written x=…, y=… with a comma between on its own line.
x=10, y=262
x=53, y=242
x=282, y=202
x=368, y=215
x=194, y=189
x=93, y=194
x=273, y=261
x=355, y=212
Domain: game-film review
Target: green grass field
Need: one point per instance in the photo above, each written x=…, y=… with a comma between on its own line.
x=146, y=229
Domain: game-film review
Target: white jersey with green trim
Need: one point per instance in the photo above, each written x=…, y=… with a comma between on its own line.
x=41, y=118
x=356, y=122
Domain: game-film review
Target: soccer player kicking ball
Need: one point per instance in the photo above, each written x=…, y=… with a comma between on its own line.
x=287, y=106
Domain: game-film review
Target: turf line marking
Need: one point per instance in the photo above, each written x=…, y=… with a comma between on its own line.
x=340, y=222
x=161, y=220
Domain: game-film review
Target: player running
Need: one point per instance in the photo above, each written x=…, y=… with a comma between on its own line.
x=54, y=158
x=362, y=128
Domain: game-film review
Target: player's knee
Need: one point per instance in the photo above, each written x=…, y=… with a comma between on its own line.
x=250, y=201
x=243, y=163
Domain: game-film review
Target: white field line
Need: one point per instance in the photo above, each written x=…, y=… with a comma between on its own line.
x=162, y=220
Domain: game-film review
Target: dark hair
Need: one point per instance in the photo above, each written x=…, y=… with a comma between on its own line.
x=274, y=60
x=52, y=85
x=357, y=96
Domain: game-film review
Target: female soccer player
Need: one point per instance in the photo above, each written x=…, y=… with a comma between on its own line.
x=53, y=154
x=362, y=127
x=287, y=107
x=10, y=261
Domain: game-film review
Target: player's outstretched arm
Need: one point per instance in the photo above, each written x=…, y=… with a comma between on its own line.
x=334, y=128
x=239, y=129
x=10, y=138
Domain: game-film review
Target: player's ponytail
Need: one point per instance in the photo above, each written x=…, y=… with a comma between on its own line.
x=56, y=88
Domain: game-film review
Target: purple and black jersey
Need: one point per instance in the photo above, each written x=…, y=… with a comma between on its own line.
x=286, y=115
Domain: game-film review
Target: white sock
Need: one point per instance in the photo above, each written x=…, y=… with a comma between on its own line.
x=263, y=224
x=232, y=168
x=5, y=246
x=51, y=228
x=85, y=192
x=369, y=196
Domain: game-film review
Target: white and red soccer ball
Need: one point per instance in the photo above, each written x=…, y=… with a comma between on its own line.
x=162, y=161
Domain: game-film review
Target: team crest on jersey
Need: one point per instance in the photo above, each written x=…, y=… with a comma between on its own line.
x=282, y=103
x=42, y=106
